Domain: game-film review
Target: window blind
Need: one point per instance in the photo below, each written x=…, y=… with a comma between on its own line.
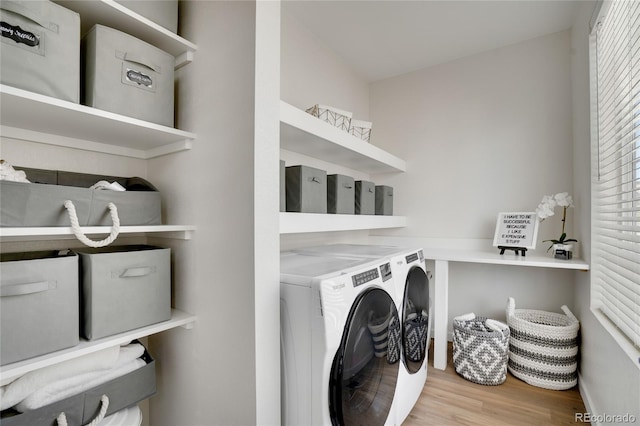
x=615, y=261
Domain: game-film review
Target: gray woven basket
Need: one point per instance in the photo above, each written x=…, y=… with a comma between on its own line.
x=480, y=353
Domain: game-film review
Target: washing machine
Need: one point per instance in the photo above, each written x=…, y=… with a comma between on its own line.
x=414, y=306
x=340, y=340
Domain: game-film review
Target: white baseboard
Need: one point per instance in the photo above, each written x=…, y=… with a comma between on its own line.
x=586, y=398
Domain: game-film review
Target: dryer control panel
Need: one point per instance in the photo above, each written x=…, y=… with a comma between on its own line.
x=365, y=277
x=385, y=270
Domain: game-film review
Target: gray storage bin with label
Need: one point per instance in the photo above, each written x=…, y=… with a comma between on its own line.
x=42, y=203
x=84, y=407
x=40, y=48
x=39, y=306
x=164, y=13
x=306, y=189
x=340, y=194
x=365, y=197
x=125, y=75
x=384, y=200
x=123, y=288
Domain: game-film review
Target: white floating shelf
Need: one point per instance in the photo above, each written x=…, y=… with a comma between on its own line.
x=493, y=257
x=115, y=15
x=183, y=232
x=294, y=223
x=10, y=372
x=305, y=134
x=30, y=116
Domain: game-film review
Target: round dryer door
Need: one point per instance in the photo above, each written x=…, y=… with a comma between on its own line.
x=365, y=368
x=415, y=319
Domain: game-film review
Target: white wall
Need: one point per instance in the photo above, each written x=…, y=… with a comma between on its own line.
x=481, y=135
x=609, y=382
x=313, y=74
x=208, y=375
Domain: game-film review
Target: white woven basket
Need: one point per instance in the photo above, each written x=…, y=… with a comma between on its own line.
x=543, y=347
x=334, y=116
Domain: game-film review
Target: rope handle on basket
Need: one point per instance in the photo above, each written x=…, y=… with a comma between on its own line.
x=104, y=406
x=75, y=226
x=568, y=313
x=511, y=307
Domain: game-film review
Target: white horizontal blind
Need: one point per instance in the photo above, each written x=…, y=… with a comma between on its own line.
x=616, y=170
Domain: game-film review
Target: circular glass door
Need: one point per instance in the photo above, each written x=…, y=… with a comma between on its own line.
x=365, y=368
x=415, y=319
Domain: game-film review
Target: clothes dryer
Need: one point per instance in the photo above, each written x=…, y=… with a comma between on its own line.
x=340, y=341
x=412, y=283
x=414, y=306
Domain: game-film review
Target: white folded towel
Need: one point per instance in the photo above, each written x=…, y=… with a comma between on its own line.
x=128, y=360
x=62, y=389
x=22, y=387
x=7, y=172
x=496, y=325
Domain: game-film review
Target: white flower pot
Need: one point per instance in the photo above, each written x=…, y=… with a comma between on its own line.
x=562, y=251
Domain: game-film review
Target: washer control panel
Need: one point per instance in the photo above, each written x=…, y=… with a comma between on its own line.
x=365, y=277
x=411, y=258
x=385, y=270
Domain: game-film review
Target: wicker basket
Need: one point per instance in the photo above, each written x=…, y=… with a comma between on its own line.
x=361, y=129
x=480, y=349
x=543, y=348
x=334, y=116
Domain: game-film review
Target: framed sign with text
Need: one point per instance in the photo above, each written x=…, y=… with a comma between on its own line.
x=516, y=231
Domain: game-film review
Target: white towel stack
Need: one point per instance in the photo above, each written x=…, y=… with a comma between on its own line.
x=54, y=383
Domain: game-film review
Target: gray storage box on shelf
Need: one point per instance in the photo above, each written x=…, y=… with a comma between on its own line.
x=340, y=194
x=39, y=306
x=128, y=76
x=306, y=189
x=480, y=349
x=365, y=197
x=384, y=200
x=164, y=13
x=83, y=408
x=41, y=203
x=40, y=48
x=283, y=188
x=123, y=288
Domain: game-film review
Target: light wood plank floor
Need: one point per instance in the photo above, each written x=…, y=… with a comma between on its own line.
x=448, y=399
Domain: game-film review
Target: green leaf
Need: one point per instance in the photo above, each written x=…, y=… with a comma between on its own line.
x=571, y=240
x=562, y=237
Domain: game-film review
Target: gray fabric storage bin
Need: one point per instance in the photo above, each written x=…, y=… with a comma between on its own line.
x=283, y=193
x=41, y=203
x=125, y=75
x=164, y=13
x=384, y=200
x=306, y=189
x=365, y=197
x=39, y=308
x=340, y=194
x=40, y=48
x=82, y=408
x=123, y=288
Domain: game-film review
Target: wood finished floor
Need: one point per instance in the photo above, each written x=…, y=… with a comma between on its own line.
x=448, y=399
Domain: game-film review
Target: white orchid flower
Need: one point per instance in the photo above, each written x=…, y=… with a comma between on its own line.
x=563, y=199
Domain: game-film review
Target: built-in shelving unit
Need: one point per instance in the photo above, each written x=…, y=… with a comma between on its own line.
x=182, y=232
x=305, y=134
x=115, y=15
x=294, y=223
x=34, y=117
x=10, y=372
x=30, y=116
